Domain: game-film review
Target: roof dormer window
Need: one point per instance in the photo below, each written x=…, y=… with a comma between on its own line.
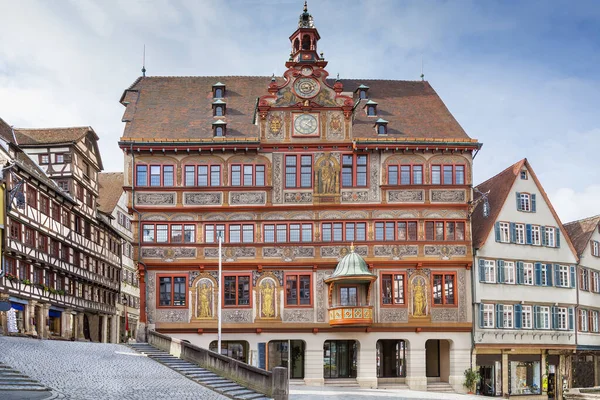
x=219, y=107
x=524, y=174
x=371, y=108
x=219, y=128
x=381, y=126
x=218, y=90
x=362, y=92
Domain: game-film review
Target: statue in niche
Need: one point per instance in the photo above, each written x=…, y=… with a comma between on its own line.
x=267, y=292
x=419, y=298
x=205, y=294
x=327, y=175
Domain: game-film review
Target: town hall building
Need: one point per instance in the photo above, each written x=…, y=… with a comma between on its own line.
x=344, y=210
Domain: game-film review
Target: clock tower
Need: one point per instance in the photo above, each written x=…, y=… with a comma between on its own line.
x=304, y=42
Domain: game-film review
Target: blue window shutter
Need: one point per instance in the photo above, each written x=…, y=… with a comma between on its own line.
x=554, y=318
x=499, y=312
x=533, y=203
x=518, y=201
x=549, y=274
x=571, y=318
x=481, y=270
x=513, y=233
x=500, y=265
x=556, y=274
x=520, y=272
x=528, y=236
x=497, y=231
x=543, y=233
x=481, y=315
x=536, y=317
x=573, y=276
x=538, y=274
x=557, y=230
x=518, y=317
x=262, y=355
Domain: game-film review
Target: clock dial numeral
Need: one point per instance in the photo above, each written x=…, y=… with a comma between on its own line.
x=305, y=124
x=306, y=87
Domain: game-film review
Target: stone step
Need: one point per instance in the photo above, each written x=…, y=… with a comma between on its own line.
x=204, y=378
x=30, y=388
x=224, y=385
x=224, y=390
x=17, y=378
x=251, y=396
x=239, y=392
x=215, y=381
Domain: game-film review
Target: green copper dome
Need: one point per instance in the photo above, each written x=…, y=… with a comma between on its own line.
x=352, y=266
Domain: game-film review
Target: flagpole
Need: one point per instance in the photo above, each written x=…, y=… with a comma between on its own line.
x=220, y=239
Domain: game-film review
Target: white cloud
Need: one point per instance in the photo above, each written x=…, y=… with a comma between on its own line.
x=572, y=205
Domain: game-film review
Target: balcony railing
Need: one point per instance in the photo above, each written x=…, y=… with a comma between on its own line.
x=351, y=315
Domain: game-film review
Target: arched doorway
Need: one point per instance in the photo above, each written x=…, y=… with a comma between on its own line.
x=340, y=359
x=391, y=358
x=437, y=360
x=288, y=354
x=86, y=327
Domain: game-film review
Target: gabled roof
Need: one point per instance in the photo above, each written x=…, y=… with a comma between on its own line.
x=500, y=186
x=32, y=137
x=110, y=190
x=581, y=231
x=6, y=132
x=172, y=108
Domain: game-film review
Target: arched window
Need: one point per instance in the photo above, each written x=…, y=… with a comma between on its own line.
x=362, y=94
x=219, y=131
x=381, y=130
x=218, y=92
x=296, y=44
x=306, y=42
x=219, y=111
x=371, y=110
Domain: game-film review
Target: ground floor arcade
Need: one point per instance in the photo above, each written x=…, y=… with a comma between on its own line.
x=370, y=358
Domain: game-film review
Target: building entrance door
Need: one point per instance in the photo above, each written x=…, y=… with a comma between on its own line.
x=391, y=359
x=339, y=359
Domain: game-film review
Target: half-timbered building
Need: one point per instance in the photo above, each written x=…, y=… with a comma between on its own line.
x=343, y=204
x=113, y=203
x=62, y=257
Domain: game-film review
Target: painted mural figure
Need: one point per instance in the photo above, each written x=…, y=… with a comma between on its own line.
x=328, y=176
x=267, y=300
x=205, y=311
x=419, y=299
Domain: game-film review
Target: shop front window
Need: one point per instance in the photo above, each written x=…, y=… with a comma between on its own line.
x=524, y=376
x=236, y=350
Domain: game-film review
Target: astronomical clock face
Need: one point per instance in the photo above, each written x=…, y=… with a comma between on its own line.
x=306, y=87
x=305, y=124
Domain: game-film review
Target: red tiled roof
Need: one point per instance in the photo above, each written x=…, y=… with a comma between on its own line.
x=581, y=232
x=51, y=135
x=110, y=190
x=181, y=108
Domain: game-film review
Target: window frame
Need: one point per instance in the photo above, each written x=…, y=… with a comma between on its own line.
x=237, y=301
x=209, y=175
x=276, y=224
x=562, y=272
x=243, y=174
x=411, y=174
x=504, y=230
x=522, y=235
x=393, y=304
x=527, y=310
x=526, y=267
x=455, y=289
x=172, y=299
x=445, y=230
x=508, y=316
x=525, y=202
x=155, y=224
x=490, y=311
x=345, y=235
x=149, y=175
x=510, y=271
x=354, y=170
x=442, y=179
x=298, y=298
x=298, y=166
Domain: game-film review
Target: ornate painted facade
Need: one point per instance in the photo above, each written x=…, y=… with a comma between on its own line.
x=294, y=171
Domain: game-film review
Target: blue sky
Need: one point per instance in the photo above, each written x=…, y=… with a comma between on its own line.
x=520, y=76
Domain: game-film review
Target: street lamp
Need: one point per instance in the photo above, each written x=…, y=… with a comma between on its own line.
x=220, y=239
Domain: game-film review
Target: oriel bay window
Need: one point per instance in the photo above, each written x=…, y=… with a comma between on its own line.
x=287, y=233
x=444, y=289
x=298, y=171
x=202, y=175
x=297, y=289
x=393, y=289
x=247, y=175
x=172, y=291
x=343, y=231
x=354, y=170
x=405, y=175
x=236, y=290
x=169, y=233
x=444, y=230
x=447, y=174
x=395, y=230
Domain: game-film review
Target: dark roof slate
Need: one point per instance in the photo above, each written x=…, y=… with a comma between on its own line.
x=581, y=232
x=110, y=190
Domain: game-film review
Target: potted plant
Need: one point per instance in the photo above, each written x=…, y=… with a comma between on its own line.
x=471, y=379
x=26, y=282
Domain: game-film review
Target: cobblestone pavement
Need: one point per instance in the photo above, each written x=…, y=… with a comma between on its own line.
x=335, y=393
x=94, y=371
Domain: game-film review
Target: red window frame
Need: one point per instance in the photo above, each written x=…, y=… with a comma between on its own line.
x=38, y=275
x=42, y=242
x=297, y=275
x=237, y=300
x=56, y=211
x=47, y=158
x=44, y=204
x=55, y=248
x=32, y=197
x=65, y=253
x=169, y=232
x=298, y=171
x=340, y=296
x=354, y=168
x=208, y=176
x=252, y=176
x=444, y=303
x=396, y=237
x=288, y=232
x=30, y=237
x=149, y=175
x=442, y=180
x=445, y=227
x=172, y=301
x=11, y=266
x=412, y=174
x=226, y=231
x=15, y=230
x=59, y=158
x=392, y=273
x=344, y=237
